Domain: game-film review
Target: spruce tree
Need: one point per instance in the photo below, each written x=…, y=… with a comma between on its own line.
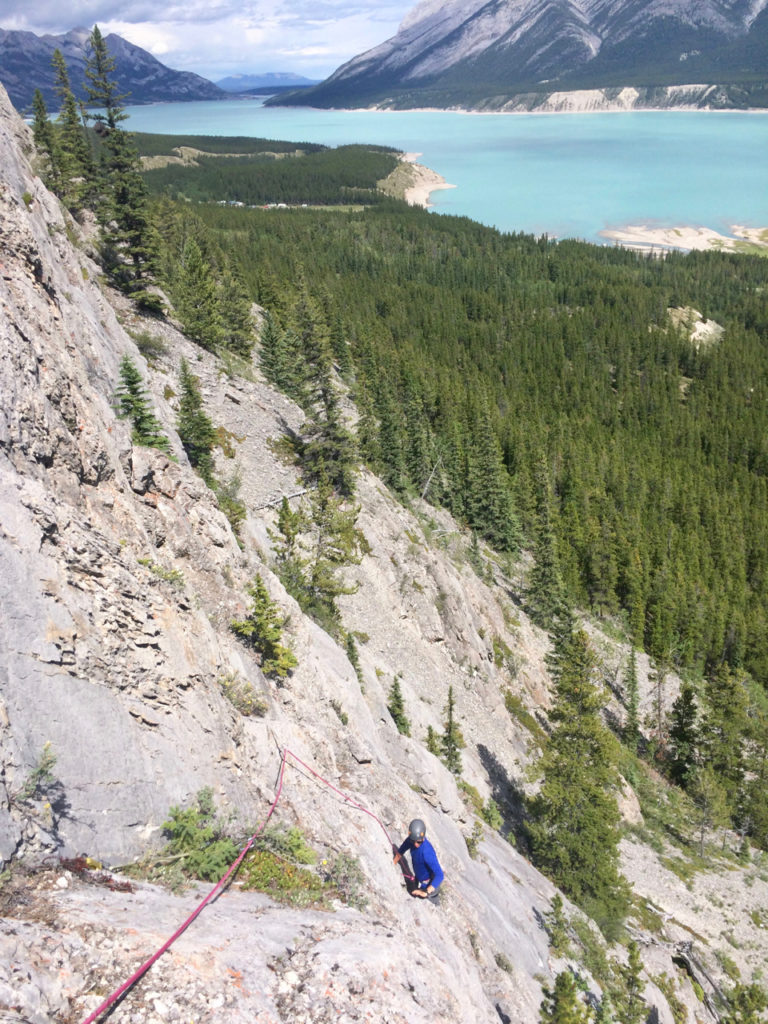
x=235, y=311
x=451, y=741
x=561, y=1004
x=263, y=630
x=75, y=169
x=683, y=737
x=133, y=403
x=632, y=691
x=546, y=594
x=574, y=824
x=196, y=430
x=129, y=244
x=630, y=1006
x=396, y=708
x=45, y=140
x=724, y=729
x=197, y=298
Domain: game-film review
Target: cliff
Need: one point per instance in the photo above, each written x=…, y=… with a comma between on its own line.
x=119, y=577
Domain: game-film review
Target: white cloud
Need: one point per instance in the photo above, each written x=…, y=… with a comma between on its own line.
x=220, y=37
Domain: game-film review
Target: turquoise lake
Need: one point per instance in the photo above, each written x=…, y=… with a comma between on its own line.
x=565, y=175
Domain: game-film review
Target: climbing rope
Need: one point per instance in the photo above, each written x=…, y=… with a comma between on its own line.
x=223, y=881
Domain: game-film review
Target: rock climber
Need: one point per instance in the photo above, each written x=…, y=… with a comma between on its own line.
x=427, y=872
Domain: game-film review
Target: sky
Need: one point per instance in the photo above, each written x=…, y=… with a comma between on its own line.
x=216, y=38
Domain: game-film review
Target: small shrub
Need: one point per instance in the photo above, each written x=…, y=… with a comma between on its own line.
x=340, y=712
x=40, y=778
x=473, y=840
x=474, y=799
x=518, y=711
x=556, y=924
x=27, y=197
x=267, y=872
x=491, y=814
x=150, y=345
x=504, y=963
x=242, y=695
x=344, y=874
x=728, y=965
x=197, y=838
x=286, y=842
x=173, y=576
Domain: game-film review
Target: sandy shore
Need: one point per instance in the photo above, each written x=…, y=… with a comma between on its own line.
x=645, y=236
x=423, y=181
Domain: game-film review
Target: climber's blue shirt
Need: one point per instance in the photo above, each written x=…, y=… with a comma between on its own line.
x=426, y=866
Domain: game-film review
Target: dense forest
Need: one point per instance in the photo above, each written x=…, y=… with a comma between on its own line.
x=486, y=354
x=255, y=172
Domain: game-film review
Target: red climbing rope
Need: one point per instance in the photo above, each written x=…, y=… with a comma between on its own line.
x=220, y=884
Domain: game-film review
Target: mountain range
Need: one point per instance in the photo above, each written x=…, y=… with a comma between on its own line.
x=25, y=65
x=484, y=55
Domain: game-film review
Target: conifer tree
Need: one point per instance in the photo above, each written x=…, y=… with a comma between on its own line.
x=746, y=1004
x=632, y=691
x=574, y=826
x=561, y=1004
x=711, y=800
x=263, y=630
x=451, y=741
x=43, y=134
x=724, y=729
x=546, y=593
x=235, y=310
x=72, y=155
x=489, y=504
x=630, y=1006
x=272, y=353
x=197, y=299
x=133, y=404
x=196, y=430
x=129, y=244
x=683, y=737
x=396, y=708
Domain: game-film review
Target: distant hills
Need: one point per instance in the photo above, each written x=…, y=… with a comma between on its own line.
x=25, y=64
x=260, y=83
x=486, y=54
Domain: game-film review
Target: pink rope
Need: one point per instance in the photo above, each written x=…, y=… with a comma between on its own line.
x=220, y=884
x=216, y=889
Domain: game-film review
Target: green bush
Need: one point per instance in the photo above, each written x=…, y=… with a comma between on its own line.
x=197, y=839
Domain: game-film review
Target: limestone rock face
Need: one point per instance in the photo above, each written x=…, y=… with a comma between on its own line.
x=119, y=577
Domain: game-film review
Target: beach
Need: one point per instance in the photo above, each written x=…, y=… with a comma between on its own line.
x=645, y=236
x=422, y=181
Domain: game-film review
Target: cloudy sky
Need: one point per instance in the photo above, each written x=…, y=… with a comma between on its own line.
x=215, y=38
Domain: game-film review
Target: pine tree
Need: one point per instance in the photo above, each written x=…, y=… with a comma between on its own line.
x=196, y=430
x=710, y=798
x=263, y=630
x=451, y=741
x=45, y=140
x=632, y=691
x=683, y=737
x=75, y=169
x=561, y=1004
x=129, y=244
x=133, y=404
x=746, y=1004
x=235, y=311
x=396, y=708
x=432, y=741
x=574, y=826
x=630, y=1006
x=546, y=595
x=272, y=353
x=197, y=300
x=724, y=729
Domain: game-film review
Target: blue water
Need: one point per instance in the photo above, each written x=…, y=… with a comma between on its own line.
x=566, y=175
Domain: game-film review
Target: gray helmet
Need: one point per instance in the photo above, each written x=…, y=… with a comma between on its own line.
x=417, y=830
